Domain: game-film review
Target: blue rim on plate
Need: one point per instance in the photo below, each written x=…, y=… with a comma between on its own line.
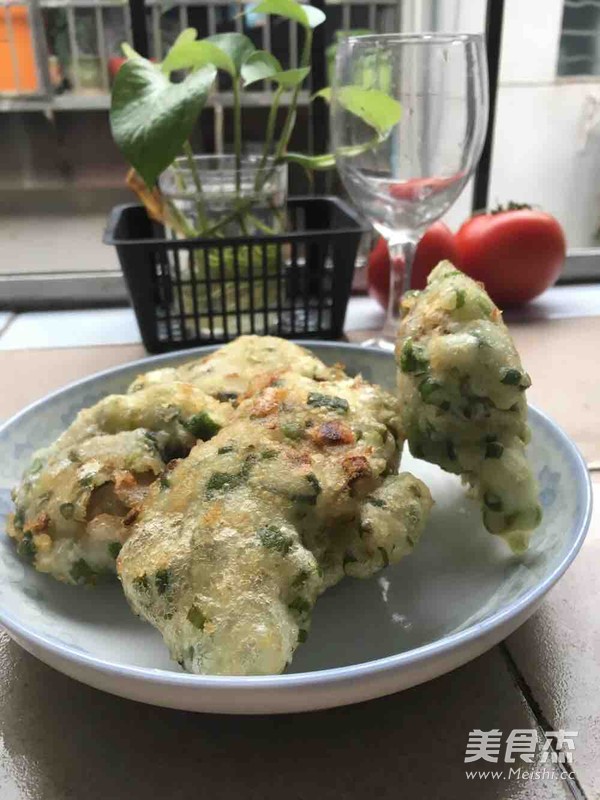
x=328, y=676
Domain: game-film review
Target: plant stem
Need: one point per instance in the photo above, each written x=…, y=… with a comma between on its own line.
x=290, y=119
x=237, y=147
x=244, y=206
x=189, y=153
x=237, y=134
x=176, y=220
x=288, y=125
x=269, y=136
x=262, y=227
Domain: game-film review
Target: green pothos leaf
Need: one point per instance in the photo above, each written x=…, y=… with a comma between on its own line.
x=128, y=51
x=373, y=106
x=235, y=45
x=225, y=51
x=305, y=15
x=151, y=118
x=259, y=66
x=262, y=66
x=290, y=78
x=181, y=42
x=194, y=55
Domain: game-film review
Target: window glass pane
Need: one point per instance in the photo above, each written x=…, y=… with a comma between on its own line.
x=60, y=172
x=579, y=52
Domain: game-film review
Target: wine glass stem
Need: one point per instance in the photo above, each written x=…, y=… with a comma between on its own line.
x=401, y=262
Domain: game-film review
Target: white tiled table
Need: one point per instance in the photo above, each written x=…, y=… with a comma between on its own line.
x=60, y=739
x=40, y=329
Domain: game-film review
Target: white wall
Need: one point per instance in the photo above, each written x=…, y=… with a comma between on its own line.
x=530, y=39
x=547, y=137
x=539, y=158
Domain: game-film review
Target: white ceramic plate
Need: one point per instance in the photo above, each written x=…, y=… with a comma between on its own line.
x=461, y=592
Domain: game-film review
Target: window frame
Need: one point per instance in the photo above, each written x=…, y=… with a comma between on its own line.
x=43, y=291
x=47, y=291
x=21, y=292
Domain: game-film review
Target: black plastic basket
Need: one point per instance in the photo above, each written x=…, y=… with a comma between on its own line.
x=188, y=292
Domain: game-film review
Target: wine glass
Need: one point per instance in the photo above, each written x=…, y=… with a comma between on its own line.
x=406, y=178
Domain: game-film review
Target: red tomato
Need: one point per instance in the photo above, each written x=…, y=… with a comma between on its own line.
x=515, y=253
x=436, y=245
x=378, y=273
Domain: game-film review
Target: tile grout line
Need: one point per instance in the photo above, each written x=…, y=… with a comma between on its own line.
x=542, y=721
x=13, y=316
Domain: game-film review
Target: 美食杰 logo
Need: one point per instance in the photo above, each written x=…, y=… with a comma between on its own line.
x=530, y=756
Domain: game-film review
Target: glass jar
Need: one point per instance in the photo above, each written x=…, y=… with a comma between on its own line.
x=213, y=198
x=207, y=197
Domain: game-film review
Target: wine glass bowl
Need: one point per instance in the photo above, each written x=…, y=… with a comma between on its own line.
x=406, y=178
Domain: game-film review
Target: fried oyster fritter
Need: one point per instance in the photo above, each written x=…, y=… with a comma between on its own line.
x=228, y=557
x=75, y=503
x=228, y=373
x=462, y=392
